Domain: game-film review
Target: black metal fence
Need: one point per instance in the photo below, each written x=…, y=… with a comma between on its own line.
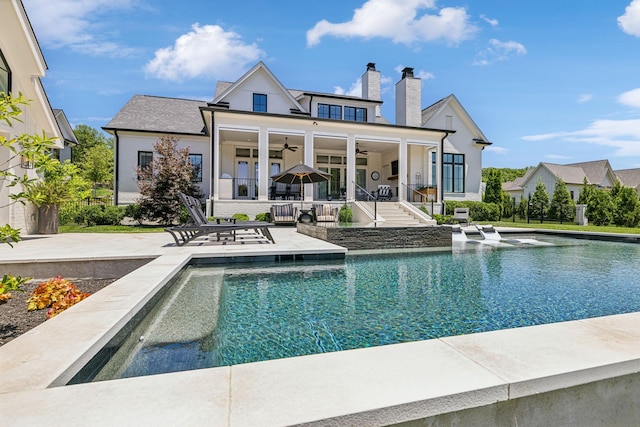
x=89, y=201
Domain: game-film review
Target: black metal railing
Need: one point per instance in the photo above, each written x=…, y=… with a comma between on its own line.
x=363, y=195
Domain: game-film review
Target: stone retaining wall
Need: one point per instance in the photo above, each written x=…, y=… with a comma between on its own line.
x=355, y=238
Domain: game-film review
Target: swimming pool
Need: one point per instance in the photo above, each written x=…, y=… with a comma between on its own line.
x=217, y=316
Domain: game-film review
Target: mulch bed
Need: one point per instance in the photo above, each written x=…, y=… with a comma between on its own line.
x=15, y=320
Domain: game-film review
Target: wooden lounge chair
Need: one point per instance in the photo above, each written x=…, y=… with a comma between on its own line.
x=325, y=213
x=199, y=226
x=284, y=214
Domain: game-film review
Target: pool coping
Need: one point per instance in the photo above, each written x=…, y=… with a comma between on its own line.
x=380, y=385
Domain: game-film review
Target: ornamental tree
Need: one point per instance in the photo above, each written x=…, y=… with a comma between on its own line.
x=562, y=206
x=168, y=174
x=539, y=201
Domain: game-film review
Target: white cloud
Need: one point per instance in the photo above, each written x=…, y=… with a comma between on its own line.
x=630, y=98
x=499, y=51
x=403, y=22
x=622, y=135
x=585, y=97
x=76, y=24
x=496, y=149
x=354, y=90
x=490, y=21
x=630, y=21
x=557, y=157
x=205, y=51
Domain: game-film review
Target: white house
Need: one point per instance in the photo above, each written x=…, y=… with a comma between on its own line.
x=598, y=173
x=255, y=127
x=21, y=68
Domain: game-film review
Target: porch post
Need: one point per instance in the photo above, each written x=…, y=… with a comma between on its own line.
x=351, y=167
x=308, y=160
x=263, y=164
x=215, y=163
x=402, y=169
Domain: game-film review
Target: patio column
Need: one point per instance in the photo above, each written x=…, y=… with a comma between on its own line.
x=402, y=169
x=351, y=167
x=309, y=161
x=263, y=164
x=215, y=163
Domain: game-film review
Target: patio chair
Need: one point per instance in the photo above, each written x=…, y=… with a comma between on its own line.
x=325, y=212
x=284, y=214
x=199, y=226
x=383, y=192
x=461, y=215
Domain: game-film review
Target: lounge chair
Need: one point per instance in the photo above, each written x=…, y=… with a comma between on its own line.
x=383, y=192
x=325, y=212
x=461, y=215
x=199, y=226
x=284, y=214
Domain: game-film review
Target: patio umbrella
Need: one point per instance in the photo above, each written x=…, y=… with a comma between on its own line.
x=301, y=174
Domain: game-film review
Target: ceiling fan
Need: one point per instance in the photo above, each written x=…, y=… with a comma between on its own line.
x=286, y=145
x=359, y=151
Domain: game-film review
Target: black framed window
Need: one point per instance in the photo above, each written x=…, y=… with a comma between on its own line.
x=328, y=111
x=453, y=173
x=196, y=164
x=260, y=102
x=5, y=75
x=144, y=159
x=355, y=114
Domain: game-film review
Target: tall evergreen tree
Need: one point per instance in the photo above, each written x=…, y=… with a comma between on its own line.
x=562, y=206
x=586, y=192
x=493, y=191
x=539, y=201
x=626, y=207
x=600, y=208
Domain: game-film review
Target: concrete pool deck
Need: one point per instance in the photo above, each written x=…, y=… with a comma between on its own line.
x=582, y=372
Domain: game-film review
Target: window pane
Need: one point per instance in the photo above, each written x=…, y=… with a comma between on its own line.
x=350, y=113
x=447, y=184
x=196, y=163
x=323, y=111
x=243, y=152
x=260, y=102
x=434, y=170
x=361, y=114
x=5, y=75
x=335, y=112
x=322, y=159
x=361, y=161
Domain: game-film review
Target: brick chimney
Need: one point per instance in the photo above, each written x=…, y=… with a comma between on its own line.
x=371, y=85
x=409, y=99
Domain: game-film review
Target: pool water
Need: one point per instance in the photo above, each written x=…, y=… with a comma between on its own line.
x=221, y=316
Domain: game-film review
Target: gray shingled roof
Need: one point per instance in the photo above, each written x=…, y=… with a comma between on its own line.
x=158, y=114
x=428, y=112
x=596, y=170
x=629, y=177
x=569, y=174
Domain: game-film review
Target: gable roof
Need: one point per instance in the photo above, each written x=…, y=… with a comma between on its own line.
x=431, y=112
x=517, y=183
x=259, y=67
x=569, y=174
x=596, y=170
x=629, y=177
x=158, y=114
x=65, y=128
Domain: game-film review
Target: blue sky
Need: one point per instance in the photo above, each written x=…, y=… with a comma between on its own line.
x=545, y=80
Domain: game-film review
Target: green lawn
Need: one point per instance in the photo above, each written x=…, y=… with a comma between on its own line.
x=565, y=226
x=110, y=229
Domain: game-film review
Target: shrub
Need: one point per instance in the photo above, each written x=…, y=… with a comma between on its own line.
x=100, y=215
x=345, y=214
x=240, y=217
x=66, y=215
x=134, y=212
x=443, y=219
x=478, y=211
x=264, y=216
x=57, y=294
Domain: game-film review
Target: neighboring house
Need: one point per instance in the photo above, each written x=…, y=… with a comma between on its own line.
x=68, y=137
x=629, y=178
x=598, y=173
x=255, y=127
x=21, y=68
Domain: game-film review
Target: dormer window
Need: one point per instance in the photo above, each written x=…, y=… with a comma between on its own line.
x=327, y=111
x=5, y=75
x=259, y=102
x=355, y=114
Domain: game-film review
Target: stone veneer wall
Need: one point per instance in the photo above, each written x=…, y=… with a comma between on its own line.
x=380, y=238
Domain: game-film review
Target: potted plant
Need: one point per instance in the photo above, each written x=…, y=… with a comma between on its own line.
x=60, y=183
